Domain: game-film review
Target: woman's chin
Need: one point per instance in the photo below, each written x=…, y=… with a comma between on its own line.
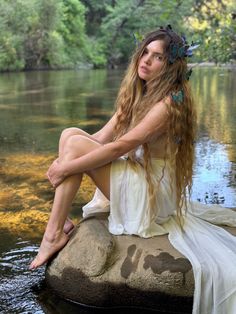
x=142, y=76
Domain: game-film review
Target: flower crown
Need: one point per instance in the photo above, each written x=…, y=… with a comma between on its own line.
x=178, y=50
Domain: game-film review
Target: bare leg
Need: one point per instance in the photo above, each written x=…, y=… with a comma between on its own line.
x=66, y=134
x=54, y=238
x=69, y=132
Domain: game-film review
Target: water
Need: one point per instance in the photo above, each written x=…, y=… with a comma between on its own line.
x=35, y=107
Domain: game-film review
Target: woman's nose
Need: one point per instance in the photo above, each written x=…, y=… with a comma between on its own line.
x=147, y=59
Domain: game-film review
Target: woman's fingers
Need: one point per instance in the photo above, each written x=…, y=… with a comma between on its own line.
x=54, y=174
x=50, y=177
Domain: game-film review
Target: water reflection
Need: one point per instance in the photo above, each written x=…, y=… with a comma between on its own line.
x=216, y=104
x=35, y=107
x=36, y=103
x=214, y=179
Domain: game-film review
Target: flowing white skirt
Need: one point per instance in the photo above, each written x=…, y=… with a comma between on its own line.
x=210, y=249
x=129, y=199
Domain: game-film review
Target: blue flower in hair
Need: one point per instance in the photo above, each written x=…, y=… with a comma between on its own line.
x=188, y=74
x=178, y=97
x=176, y=51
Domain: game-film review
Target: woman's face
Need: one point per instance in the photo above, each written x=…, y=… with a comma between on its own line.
x=151, y=61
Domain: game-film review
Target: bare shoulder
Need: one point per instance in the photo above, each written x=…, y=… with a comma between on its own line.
x=151, y=126
x=165, y=101
x=161, y=107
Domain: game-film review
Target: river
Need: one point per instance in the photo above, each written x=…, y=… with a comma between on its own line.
x=35, y=108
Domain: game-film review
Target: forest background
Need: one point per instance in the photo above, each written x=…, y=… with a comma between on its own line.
x=59, y=34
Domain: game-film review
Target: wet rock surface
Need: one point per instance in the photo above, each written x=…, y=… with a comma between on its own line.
x=98, y=269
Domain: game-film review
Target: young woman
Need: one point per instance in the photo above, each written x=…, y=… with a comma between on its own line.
x=142, y=159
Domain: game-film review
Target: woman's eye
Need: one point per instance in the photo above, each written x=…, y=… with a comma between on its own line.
x=158, y=57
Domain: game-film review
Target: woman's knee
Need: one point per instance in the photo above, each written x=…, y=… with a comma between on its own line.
x=66, y=133
x=79, y=145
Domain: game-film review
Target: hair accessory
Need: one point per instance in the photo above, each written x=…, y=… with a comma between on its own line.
x=178, y=97
x=178, y=50
x=189, y=51
x=188, y=74
x=181, y=50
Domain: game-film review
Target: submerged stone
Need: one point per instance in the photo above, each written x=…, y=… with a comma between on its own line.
x=98, y=269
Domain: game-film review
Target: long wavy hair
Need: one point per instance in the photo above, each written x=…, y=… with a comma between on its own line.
x=136, y=97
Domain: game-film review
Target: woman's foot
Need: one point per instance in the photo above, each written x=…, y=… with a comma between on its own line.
x=49, y=246
x=68, y=226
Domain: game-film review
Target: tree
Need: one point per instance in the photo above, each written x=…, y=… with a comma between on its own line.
x=213, y=21
x=72, y=33
x=42, y=44
x=127, y=17
x=12, y=34
x=72, y=30
x=41, y=33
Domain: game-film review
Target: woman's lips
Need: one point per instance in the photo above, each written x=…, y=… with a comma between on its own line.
x=144, y=69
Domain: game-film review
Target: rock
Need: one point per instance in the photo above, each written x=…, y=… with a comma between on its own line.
x=99, y=269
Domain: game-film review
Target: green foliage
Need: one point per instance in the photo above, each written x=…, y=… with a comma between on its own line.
x=10, y=52
x=128, y=17
x=72, y=30
x=12, y=30
x=95, y=12
x=123, y=18
x=96, y=52
x=41, y=33
x=74, y=33
x=40, y=40
x=213, y=22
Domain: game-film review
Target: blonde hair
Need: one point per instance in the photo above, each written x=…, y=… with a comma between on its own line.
x=136, y=97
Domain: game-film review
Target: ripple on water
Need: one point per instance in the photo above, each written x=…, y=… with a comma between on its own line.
x=24, y=292
x=16, y=280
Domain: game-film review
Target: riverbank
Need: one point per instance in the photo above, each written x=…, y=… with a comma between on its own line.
x=89, y=66
x=213, y=64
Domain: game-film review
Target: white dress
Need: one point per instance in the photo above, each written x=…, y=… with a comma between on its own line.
x=210, y=249
x=129, y=199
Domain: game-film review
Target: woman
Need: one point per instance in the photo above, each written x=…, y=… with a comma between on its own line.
x=142, y=159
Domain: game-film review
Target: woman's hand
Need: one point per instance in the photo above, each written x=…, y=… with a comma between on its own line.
x=55, y=173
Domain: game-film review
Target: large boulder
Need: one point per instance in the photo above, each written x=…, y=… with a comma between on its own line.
x=99, y=269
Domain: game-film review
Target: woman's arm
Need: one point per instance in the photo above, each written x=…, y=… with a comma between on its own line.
x=105, y=135
x=150, y=127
